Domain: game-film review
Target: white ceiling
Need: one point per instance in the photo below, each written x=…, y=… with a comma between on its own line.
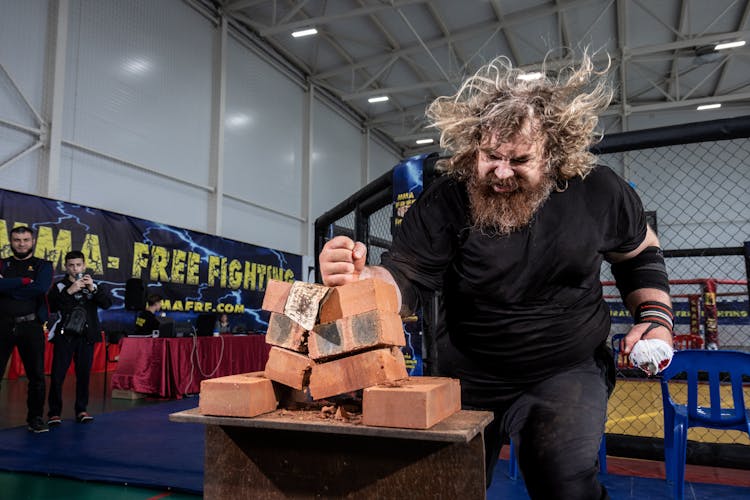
x=416, y=50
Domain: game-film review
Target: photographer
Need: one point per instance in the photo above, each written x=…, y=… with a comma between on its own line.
x=77, y=298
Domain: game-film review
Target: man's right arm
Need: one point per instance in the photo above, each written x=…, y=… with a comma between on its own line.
x=343, y=261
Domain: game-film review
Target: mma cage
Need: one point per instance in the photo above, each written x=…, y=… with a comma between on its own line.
x=694, y=181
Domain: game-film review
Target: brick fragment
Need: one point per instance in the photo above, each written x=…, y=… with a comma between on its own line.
x=356, y=333
x=356, y=372
x=291, y=398
x=413, y=403
x=287, y=333
x=276, y=295
x=358, y=297
x=288, y=367
x=242, y=395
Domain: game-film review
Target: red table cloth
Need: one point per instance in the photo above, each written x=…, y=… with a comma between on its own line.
x=15, y=365
x=173, y=367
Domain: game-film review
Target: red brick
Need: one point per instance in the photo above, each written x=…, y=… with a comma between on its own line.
x=287, y=333
x=288, y=367
x=356, y=333
x=243, y=395
x=413, y=403
x=358, y=297
x=276, y=295
x=356, y=372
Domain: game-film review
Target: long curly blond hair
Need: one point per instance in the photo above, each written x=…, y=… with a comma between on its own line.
x=564, y=108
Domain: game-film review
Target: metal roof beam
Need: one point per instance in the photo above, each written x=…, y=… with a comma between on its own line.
x=724, y=69
x=518, y=17
x=320, y=20
x=685, y=103
x=688, y=43
x=673, y=84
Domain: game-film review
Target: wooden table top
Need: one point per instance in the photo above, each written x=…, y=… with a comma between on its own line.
x=461, y=427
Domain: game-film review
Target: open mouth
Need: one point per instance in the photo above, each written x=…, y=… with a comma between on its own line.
x=503, y=188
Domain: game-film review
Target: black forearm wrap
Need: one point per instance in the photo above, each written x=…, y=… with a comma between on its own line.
x=645, y=270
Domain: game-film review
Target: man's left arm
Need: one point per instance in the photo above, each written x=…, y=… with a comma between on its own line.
x=641, y=277
x=41, y=284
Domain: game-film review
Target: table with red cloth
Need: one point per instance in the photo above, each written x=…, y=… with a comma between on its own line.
x=173, y=367
x=16, y=369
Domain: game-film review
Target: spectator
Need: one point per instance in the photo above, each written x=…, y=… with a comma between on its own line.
x=24, y=281
x=78, y=299
x=146, y=321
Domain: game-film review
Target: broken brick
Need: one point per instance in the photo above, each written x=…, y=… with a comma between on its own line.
x=356, y=372
x=242, y=395
x=287, y=333
x=288, y=367
x=359, y=297
x=275, y=297
x=413, y=403
x=356, y=333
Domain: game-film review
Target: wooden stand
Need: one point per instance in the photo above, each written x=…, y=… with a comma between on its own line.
x=279, y=455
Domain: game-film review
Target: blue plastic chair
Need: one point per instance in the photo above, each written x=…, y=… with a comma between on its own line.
x=679, y=417
x=615, y=343
x=513, y=459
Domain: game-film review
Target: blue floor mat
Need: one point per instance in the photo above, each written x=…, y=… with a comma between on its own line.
x=138, y=447
x=141, y=447
x=620, y=488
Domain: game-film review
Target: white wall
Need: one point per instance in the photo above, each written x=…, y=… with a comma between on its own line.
x=138, y=96
x=23, y=31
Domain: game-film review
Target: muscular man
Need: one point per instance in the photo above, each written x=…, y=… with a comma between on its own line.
x=75, y=342
x=514, y=236
x=24, y=281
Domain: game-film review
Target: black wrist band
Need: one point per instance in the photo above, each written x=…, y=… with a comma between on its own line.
x=655, y=312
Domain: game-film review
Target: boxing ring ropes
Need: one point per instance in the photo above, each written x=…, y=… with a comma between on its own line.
x=703, y=308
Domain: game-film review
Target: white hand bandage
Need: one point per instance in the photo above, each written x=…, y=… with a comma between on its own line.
x=651, y=355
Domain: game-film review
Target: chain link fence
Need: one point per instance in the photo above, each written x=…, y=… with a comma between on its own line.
x=694, y=181
x=698, y=196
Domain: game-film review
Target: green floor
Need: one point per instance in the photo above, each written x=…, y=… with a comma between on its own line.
x=22, y=486
x=16, y=486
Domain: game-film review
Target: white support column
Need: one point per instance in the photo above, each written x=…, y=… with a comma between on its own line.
x=365, y=172
x=308, y=232
x=218, y=105
x=51, y=136
x=622, y=23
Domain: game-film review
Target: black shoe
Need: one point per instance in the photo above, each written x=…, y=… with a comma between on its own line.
x=54, y=421
x=84, y=418
x=37, y=425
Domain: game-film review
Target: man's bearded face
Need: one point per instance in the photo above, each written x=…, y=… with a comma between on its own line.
x=510, y=183
x=22, y=245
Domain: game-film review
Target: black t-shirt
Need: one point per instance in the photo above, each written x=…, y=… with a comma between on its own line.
x=530, y=303
x=146, y=322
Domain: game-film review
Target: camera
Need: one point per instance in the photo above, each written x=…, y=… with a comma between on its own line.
x=84, y=290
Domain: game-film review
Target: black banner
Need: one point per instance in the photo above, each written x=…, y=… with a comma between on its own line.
x=194, y=272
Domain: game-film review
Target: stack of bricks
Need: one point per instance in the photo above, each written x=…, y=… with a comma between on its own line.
x=355, y=344
x=331, y=341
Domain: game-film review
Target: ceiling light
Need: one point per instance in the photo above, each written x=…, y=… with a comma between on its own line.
x=237, y=121
x=306, y=32
x=381, y=98
x=535, y=75
x=425, y=141
x=708, y=106
x=729, y=45
x=137, y=66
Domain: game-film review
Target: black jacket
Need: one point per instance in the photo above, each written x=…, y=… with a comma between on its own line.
x=60, y=300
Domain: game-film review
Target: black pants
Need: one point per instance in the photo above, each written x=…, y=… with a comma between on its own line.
x=28, y=337
x=556, y=425
x=65, y=350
